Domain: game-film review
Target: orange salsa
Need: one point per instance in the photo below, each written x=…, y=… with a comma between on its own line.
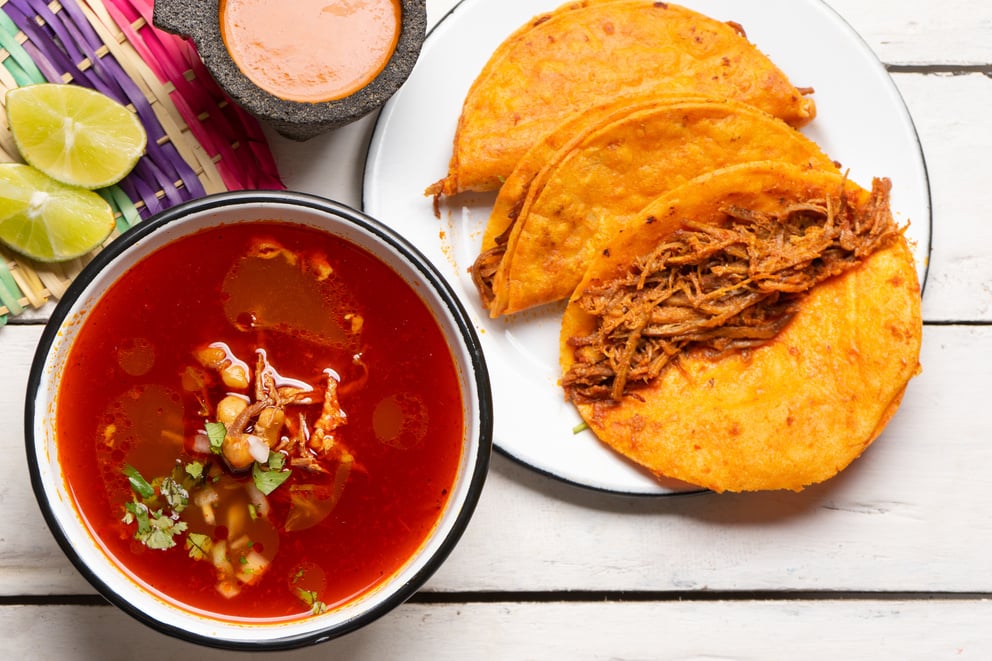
x=260, y=421
x=310, y=50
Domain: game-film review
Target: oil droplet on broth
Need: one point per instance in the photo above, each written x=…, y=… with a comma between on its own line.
x=147, y=415
x=400, y=420
x=289, y=309
x=136, y=356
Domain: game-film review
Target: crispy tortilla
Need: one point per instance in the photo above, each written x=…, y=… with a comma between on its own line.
x=548, y=149
x=587, y=53
x=581, y=183
x=799, y=407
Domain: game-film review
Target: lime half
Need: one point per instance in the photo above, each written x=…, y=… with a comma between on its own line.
x=74, y=134
x=47, y=220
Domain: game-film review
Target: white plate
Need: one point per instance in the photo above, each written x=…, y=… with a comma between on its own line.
x=862, y=122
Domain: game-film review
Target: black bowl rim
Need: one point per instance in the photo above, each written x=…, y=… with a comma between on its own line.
x=416, y=259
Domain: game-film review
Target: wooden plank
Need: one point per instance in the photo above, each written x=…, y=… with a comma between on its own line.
x=905, y=630
x=31, y=562
x=919, y=32
x=910, y=515
x=951, y=116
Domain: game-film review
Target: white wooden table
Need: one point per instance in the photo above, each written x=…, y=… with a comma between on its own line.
x=891, y=559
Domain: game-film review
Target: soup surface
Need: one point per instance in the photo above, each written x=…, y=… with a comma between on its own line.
x=310, y=50
x=260, y=421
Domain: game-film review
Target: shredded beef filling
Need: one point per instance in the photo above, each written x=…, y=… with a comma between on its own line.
x=484, y=267
x=726, y=287
x=484, y=270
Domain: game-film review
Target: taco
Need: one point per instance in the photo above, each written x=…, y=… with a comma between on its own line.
x=583, y=181
x=756, y=329
x=586, y=53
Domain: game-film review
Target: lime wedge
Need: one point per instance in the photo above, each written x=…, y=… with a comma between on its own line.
x=47, y=220
x=74, y=134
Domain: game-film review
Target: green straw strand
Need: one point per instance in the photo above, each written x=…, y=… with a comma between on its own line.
x=19, y=64
x=125, y=213
x=9, y=291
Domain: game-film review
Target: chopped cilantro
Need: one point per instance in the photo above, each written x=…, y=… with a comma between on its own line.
x=194, y=470
x=309, y=597
x=163, y=530
x=175, y=494
x=198, y=545
x=155, y=529
x=277, y=460
x=139, y=484
x=268, y=481
x=137, y=512
x=216, y=431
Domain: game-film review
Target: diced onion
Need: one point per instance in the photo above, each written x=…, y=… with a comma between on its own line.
x=255, y=564
x=206, y=498
x=258, y=499
x=201, y=443
x=258, y=448
x=228, y=588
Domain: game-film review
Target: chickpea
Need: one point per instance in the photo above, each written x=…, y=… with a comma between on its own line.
x=269, y=425
x=234, y=376
x=236, y=451
x=212, y=356
x=218, y=356
x=229, y=408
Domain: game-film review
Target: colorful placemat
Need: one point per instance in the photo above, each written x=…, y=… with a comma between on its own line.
x=199, y=141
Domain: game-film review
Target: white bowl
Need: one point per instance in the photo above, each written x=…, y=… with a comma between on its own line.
x=110, y=265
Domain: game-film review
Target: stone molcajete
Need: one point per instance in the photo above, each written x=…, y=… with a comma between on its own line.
x=321, y=34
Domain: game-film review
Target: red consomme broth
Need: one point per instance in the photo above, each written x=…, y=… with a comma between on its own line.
x=134, y=394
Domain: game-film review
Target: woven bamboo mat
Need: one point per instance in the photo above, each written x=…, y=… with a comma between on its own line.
x=199, y=142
